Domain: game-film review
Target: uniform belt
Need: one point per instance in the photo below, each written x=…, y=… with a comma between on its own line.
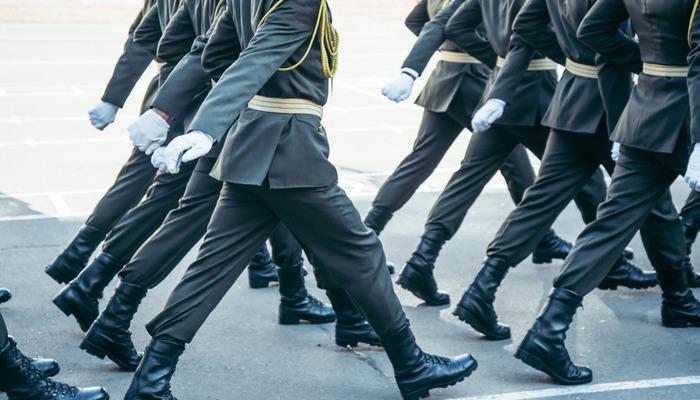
x=582, y=70
x=457, y=57
x=160, y=66
x=665, y=70
x=285, y=106
x=541, y=64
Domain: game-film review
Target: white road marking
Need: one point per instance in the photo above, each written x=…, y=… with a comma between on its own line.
x=31, y=142
x=598, y=388
x=60, y=204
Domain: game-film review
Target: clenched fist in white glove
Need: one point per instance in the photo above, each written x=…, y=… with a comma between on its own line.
x=186, y=148
x=102, y=115
x=400, y=88
x=487, y=115
x=692, y=174
x=149, y=131
x=158, y=159
x=615, y=151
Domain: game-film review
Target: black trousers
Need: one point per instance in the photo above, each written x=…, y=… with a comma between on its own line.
x=640, y=182
x=690, y=213
x=184, y=227
x=568, y=162
x=131, y=183
x=485, y=155
x=436, y=134
x=333, y=236
x=3, y=332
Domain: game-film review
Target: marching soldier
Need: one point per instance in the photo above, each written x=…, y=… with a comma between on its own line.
x=24, y=378
x=487, y=151
x=448, y=99
x=690, y=217
x=274, y=167
x=577, y=146
x=654, y=139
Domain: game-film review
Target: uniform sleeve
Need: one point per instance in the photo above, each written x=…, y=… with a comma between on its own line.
x=418, y=17
x=600, y=30
x=223, y=47
x=533, y=25
x=694, y=75
x=178, y=36
x=129, y=68
x=287, y=29
x=462, y=29
x=148, y=33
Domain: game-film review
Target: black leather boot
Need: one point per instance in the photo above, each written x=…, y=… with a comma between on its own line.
x=296, y=304
x=46, y=366
x=417, y=372
x=691, y=233
x=550, y=247
x=80, y=298
x=476, y=306
x=626, y=274
x=351, y=327
x=417, y=276
x=5, y=295
x=543, y=348
x=75, y=257
x=109, y=336
x=679, y=308
x=20, y=380
x=628, y=253
x=262, y=271
x=376, y=220
x=152, y=378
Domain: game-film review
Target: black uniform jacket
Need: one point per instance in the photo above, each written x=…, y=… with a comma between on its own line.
x=130, y=66
x=657, y=113
x=453, y=88
x=694, y=76
x=182, y=45
x=150, y=30
x=528, y=100
x=286, y=150
x=549, y=26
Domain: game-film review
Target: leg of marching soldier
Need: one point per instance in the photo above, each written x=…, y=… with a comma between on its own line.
x=690, y=216
x=518, y=173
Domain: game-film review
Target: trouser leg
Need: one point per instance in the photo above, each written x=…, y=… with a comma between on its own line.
x=518, y=173
x=691, y=209
x=566, y=167
x=140, y=222
x=181, y=230
x=485, y=155
x=436, y=134
x=286, y=251
x=240, y=224
x=639, y=181
x=336, y=240
x=3, y=332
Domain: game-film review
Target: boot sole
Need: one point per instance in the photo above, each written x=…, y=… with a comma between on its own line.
x=615, y=286
x=540, y=365
x=467, y=317
x=66, y=308
x=292, y=320
x=345, y=342
x=101, y=353
x=425, y=392
x=679, y=323
x=58, y=276
x=260, y=284
x=407, y=284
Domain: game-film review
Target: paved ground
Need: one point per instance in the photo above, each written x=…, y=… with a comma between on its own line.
x=55, y=166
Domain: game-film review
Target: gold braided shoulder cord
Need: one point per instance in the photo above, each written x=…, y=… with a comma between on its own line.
x=218, y=7
x=329, y=40
x=692, y=18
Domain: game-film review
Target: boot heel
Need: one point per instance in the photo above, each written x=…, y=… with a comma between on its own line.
x=92, y=349
x=416, y=396
x=62, y=305
x=675, y=323
x=57, y=275
x=530, y=360
x=289, y=320
x=258, y=283
x=346, y=342
x=541, y=259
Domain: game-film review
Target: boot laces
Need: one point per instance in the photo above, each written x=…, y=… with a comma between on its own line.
x=34, y=376
x=62, y=389
x=436, y=360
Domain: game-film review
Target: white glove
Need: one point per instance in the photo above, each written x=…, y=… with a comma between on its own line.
x=692, y=174
x=615, y=151
x=400, y=88
x=186, y=148
x=148, y=132
x=158, y=159
x=102, y=115
x=487, y=115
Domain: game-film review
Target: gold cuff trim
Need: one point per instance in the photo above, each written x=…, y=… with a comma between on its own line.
x=458, y=58
x=541, y=64
x=582, y=70
x=285, y=106
x=665, y=70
